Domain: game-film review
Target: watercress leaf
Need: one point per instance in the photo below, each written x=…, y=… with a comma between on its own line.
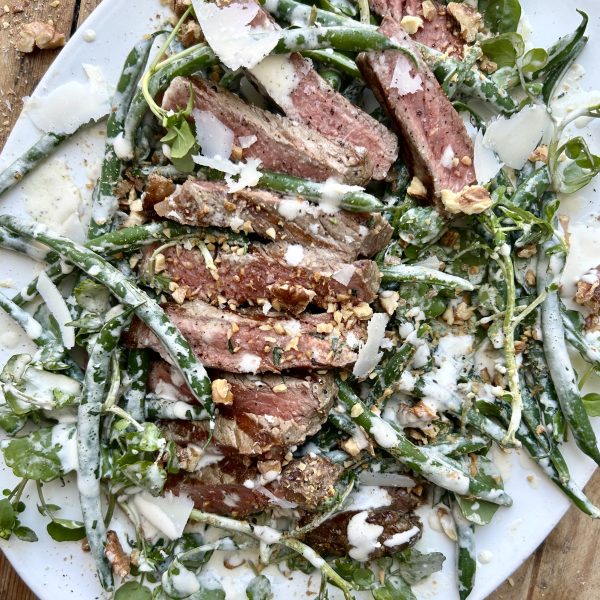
x=504, y=49
x=133, y=590
x=361, y=577
x=33, y=456
x=64, y=530
x=7, y=518
x=501, y=16
x=183, y=141
x=592, y=404
x=420, y=225
x=414, y=566
x=25, y=534
x=534, y=60
x=478, y=512
x=395, y=588
x=259, y=589
x=10, y=421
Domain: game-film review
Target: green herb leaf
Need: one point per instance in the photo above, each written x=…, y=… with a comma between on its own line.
x=582, y=167
x=64, y=530
x=25, y=534
x=132, y=590
x=534, y=60
x=33, y=456
x=361, y=577
x=592, y=404
x=395, y=588
x=180, y=138
x=259, y=589
x=504, y=49
x=7, y=518
x=501, y=16
x=478, y=512
x=416, y=566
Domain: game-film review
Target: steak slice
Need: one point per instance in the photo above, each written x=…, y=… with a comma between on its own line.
x=437, y=145
x=288, y=276
x=269, y=215
x=249, y=342
x=438, y=30
x=334, y=537
x=262, y=416
x=281, y=144
x=234, y=486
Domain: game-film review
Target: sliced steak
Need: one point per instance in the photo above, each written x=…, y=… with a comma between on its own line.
x=234, y=486
x=437, y=146
x=271, y=216
x=438, y=30
x=281, y=144
x=249, y=342
x=288, y=276
x=337, y=536
x=267, y=412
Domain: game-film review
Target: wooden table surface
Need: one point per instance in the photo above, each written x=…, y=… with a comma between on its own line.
x=566, y=565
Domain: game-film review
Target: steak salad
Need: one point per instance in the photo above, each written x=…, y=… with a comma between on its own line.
x=321, y=286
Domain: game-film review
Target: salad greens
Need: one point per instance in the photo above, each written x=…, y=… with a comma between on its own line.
x=475, y=352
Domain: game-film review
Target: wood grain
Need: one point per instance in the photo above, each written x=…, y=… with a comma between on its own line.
x=565, y=566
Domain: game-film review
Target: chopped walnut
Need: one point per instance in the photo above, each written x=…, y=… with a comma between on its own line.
x=468, y=18
x=429, y=10
x=116, y=556
x=471, y=200
x=221, y=392
x=487, y=65
x=40, y=34
x=363, y=311
x=588, y=291
x=411, y=24
x=540, y=154
x=190, y=33
x=416, y=188
x=389, y=301
x=188, y=457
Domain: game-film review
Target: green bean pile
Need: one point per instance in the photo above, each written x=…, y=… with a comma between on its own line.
x=452, y=290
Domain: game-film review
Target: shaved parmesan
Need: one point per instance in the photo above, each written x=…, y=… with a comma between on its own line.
x=246, y=141
x=402, y=80
x=368, y=355
x=215, y=138
x=168, y=514
x=58, y=308
x=515, y=138
x=72, y=104
x=227, y=31
x=344, y=274
x=486, y=162
x=294, y=255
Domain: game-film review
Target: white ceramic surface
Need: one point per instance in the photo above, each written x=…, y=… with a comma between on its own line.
x=63, y=570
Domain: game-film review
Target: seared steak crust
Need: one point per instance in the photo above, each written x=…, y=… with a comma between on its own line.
x=281, y=144
x=208, y=203
x=438, y=148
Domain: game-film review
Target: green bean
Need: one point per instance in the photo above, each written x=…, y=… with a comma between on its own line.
x=576, y=340
x=189, y=62
x=32, y=157
x=340, y=7
x=460, y=446
x=88, y=442
x=332, y=77
x=138, y=364
x=338, y=37
x=121, y=240
x=104, y=201
x=466, y=561
x=391, y=373
x=126, y=292
x=297, y=14
x=354, y=201
x=475, y=83
x=531, y=189
x=414, y=274
x=438, y=469
x=15, y=243
x=269, y=535
x=559, y=364
x=456, y=80
x=335, y=59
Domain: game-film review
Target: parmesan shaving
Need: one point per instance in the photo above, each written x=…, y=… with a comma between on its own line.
x=368, y=355
x=58, y=308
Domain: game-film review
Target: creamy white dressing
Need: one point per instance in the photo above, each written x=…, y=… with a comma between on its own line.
x=64, y=435
x=363, y=537
x=383, y=433
x=402, y=538
x=368, y=497
x=278, y=77
x=58, y=308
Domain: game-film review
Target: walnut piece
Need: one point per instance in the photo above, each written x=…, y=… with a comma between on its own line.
x=40, y=34
x=416, y=188
x=468, y=18
x=116, y=556
x=411, y=24
x=221, y=392
x=588, y=291
x=429, y=10
x=471, y=200
x=540, y=154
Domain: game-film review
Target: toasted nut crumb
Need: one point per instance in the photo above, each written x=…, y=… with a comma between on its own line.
x=351, y=447
x=42, y=35
x=527, y=251
x=468, y=18
x=416, y=188
x=160, y=263
x=324, y=327
x=236, y=153
x=180, y=294
x=471, y=200
x=221, y=392
x=429, y=10
x=271, y=233
x=235, y=327
x=411, y=24
x=280, y=388
x=356, y=410
x=466, y=160
x=116, y=556
x=540, y=154
x=389, y=301
x=266, y=466
x=363, y=311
